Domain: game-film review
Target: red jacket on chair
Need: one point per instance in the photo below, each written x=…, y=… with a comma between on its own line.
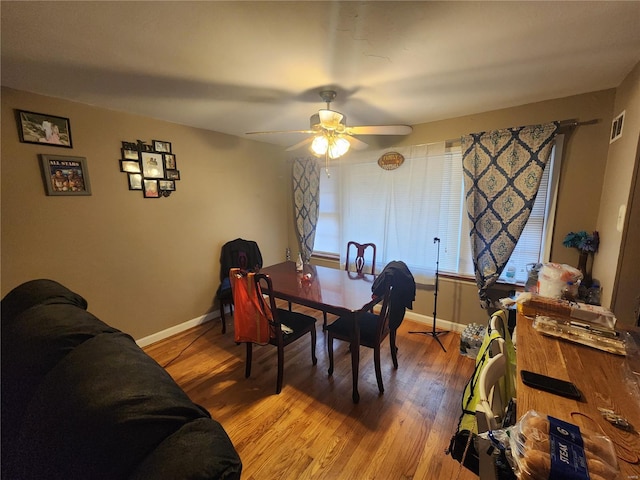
x=251, y=323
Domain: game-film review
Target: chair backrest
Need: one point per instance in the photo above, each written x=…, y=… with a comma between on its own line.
x=491, y=406
x=359, y=260
x=382, y=329
x=239, y=253
x=498, y=322
x=267, y=302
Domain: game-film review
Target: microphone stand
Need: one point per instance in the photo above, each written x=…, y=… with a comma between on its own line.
x=433, y=331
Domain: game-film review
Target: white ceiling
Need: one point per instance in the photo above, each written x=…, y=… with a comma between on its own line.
x=235, y=67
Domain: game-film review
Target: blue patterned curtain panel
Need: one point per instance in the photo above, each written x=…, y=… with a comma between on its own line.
x=502, y=173
x=306, y=195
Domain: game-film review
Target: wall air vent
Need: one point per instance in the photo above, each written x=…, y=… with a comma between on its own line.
x=616, y=127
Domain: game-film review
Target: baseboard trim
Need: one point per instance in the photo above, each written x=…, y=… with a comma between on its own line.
x=194, y=322
x=416, y=317
x=445, y=325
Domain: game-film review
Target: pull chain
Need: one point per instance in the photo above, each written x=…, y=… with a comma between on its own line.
x=326, y=163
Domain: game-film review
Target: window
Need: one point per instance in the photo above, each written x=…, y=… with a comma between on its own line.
x=402, y=211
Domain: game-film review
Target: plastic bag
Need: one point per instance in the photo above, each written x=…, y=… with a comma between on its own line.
x=544, y=447
x=553, y=278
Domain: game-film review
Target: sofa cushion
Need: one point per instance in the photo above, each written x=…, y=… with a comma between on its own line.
x=37, y=292
x=32, y=345
x=103, y=409
x=41, y=336
x=200, y=450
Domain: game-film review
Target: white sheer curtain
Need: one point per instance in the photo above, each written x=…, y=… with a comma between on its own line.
x=401, y=210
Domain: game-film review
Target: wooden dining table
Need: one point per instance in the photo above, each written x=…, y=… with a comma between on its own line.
x=329, y=290
x=605, y=380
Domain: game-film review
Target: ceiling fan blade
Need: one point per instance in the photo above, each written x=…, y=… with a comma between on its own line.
x=301, y=144
x=281, y=131
x=356, y=143
x=380, y=130
x=330, y=119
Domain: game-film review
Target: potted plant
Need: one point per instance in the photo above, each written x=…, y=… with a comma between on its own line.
x=587, y=244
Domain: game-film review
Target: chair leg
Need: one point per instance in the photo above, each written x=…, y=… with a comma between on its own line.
x=280, y=368
x=376, y=361
x=314, y=359
x=324, y=321
x=394, y=349
x=247, y=369
x=330, y=350
x=224, y=322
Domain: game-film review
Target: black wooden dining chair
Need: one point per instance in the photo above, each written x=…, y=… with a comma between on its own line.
x=238, y=253
x=357, y=265
x=286, y=326
x=374, y=328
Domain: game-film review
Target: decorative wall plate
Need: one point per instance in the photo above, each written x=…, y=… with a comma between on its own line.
x=390, y=160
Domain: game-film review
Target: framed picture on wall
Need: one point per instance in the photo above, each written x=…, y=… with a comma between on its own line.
x=150, y=188
x=130, y=166
x=169, y=161
x=135, y=181
x=167, y=185
x=152, y=165
x=162, y=146
x=41, y=128
x=173, y=174
x=65, y=175
x=130, y=154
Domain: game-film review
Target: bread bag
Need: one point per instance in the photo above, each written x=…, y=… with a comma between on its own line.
x=547, y=448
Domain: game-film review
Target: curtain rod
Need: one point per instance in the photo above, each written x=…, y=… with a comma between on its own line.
x=452, y=142
x=563, y=124
x=575, y=123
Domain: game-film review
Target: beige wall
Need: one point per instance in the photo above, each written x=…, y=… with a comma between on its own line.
x=581, y=180
x=144, y=265
x=617, y=181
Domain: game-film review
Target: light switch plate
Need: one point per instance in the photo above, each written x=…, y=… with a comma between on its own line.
x=620, y=221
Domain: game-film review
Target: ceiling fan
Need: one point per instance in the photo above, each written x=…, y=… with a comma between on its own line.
x=330, y=135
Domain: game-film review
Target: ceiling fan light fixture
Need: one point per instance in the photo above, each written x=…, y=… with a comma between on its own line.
x=333, y=146
x=330, y=119
x=338, y=147
x=330, y=135
x=319, y=145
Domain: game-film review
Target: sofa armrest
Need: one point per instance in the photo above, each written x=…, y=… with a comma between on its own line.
x=200, y=450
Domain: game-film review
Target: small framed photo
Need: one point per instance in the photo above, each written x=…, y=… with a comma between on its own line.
x=65, y=175
x=152, y=165
x=151, y=188
x=169, y=161
x=172, y=174
x=135, y=181
x=162, y=146
x=130, y=154
x=167, y=185
x=41, y=128
x=130, y=166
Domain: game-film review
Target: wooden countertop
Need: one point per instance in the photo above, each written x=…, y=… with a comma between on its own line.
x=604, y=379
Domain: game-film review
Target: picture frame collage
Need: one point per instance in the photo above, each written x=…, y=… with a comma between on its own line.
x=150, y=168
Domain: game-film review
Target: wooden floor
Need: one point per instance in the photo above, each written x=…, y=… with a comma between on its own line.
x=313, y=430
